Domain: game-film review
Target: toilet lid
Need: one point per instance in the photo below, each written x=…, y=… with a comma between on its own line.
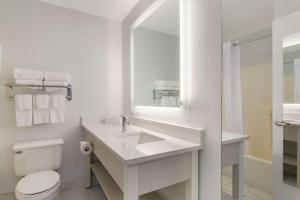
x=38, y=182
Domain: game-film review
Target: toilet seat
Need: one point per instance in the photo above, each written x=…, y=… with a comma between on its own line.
x=38, y=186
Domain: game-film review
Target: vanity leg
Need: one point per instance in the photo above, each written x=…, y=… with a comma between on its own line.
x=87, y=171
x=238, y=175
x=131, y=191
x=192, y=184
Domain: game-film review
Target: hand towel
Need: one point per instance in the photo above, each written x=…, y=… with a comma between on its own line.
x=165, y=101
x=23, y=104
x=173, y=101
x=57, y=83
x=27, y=74
x=55, y=76
x=57, y=109
x=41, y=109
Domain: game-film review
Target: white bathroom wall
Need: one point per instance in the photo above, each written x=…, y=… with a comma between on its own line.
x=45, y=37
x=284, y=7
x=241, y=18
x=204, y=84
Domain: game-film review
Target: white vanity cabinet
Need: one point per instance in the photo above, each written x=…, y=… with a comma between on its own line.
x=291, y=155
x=128, y=171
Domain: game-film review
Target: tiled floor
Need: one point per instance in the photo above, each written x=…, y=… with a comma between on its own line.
x=95, y=193
x=251, y=193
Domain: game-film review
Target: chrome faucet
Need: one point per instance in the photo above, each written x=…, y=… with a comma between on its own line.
x=124, y=123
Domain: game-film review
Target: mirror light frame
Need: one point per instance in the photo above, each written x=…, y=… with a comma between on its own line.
x=175, y=113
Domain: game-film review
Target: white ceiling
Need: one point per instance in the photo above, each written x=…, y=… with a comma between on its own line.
x=111, y=9
x=242, y=17
x=165, y=18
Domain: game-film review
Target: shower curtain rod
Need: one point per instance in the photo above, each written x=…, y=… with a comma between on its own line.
x=252, y=39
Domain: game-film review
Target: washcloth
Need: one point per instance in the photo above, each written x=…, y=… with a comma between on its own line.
x=23, y=105
x=41, y=109
x=27, y=74
x=57, y=109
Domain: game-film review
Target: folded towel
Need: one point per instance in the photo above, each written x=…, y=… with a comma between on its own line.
x=27, y=74
x=41, y=109
x=57, y=108
x=54, y=76
x=28, y=82
x=23, y=104
x=57, y=83
x=166, y=85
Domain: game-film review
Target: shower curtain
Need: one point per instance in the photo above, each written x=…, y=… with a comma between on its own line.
x=232, y=93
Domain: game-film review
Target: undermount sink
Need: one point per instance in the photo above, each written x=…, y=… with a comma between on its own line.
x=138, y=138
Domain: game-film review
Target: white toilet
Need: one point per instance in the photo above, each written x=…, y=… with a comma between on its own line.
x=36, y=161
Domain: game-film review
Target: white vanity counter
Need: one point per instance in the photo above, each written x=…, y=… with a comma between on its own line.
x=229, y=137
x=128, y=148
x=133, y=165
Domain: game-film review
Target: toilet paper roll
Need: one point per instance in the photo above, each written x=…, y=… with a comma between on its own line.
x=86, y=148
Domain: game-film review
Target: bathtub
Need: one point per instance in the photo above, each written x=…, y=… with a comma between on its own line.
x=257, y=172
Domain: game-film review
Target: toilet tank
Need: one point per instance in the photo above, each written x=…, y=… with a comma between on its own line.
x=38, y=155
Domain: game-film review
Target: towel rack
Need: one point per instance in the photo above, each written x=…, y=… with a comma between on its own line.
x=68, y=87
x=158, y=94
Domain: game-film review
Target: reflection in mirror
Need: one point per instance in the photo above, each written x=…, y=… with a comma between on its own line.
x=291, y=60
x=156, y=58
x=291, y=88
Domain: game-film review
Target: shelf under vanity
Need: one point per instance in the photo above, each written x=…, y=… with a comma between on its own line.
x=291, y=155
x=111, y=189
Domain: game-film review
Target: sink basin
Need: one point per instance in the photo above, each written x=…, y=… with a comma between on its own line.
x=138, y=138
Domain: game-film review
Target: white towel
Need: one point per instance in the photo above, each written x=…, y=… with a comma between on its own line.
x=165, y=101
x=55, y=76
x=173, y=101
x=41, y=109
x=166, y=85
x=57, y=109
x=23, y=105
x=55, y=83
x=28, y=82
x=27, y=74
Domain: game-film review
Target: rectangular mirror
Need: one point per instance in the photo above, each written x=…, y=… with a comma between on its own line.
x=291, y=69
x=291, y=91
x=156, y=57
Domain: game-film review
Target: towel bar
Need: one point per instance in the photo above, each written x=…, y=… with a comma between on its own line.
x=68, y=87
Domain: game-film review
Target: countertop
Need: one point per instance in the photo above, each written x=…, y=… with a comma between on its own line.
x=229, y=137
x=109, y=136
